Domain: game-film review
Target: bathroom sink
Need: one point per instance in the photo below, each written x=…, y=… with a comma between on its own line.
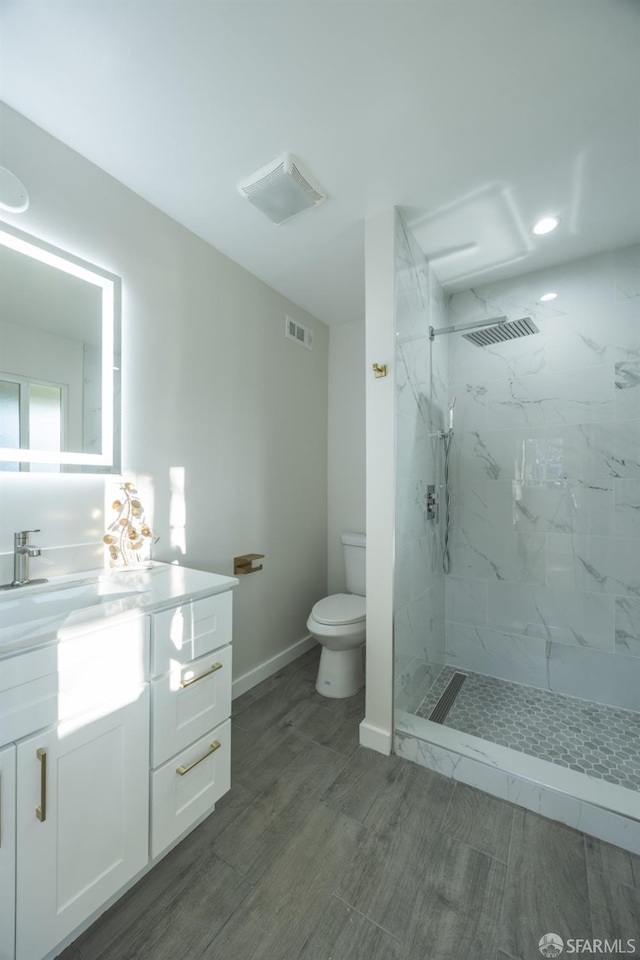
x=28, y=604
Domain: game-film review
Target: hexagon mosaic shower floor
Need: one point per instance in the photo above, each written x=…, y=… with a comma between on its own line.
x=602, y=741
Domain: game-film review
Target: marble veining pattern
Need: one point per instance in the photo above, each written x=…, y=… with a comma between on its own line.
x=601, y=741
x=546, y=482
x=627, y=626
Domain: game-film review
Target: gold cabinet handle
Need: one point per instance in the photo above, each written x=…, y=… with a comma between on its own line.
x=212, y=749
x=201, y=676
x=41, y=811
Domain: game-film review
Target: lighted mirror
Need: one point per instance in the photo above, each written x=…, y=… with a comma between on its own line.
x=59, y=360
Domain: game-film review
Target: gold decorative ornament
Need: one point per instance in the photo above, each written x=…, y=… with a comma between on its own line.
x=129, y=532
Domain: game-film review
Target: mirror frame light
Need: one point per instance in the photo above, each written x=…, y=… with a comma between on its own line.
x=108, y=461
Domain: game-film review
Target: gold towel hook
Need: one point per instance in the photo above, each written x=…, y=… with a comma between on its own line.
x=379, y=369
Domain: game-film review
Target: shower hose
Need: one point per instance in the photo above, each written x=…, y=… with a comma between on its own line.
x=446, y=559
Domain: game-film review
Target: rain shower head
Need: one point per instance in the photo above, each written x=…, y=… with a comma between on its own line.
x=486, y=332
x=498, y=330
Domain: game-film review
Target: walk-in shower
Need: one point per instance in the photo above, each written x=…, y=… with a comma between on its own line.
x=517, y=612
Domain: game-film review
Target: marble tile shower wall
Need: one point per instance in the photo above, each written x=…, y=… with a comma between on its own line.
x=545, y=579
x=419, y=608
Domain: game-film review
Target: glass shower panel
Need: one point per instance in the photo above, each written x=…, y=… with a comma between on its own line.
x=9, y=419
x=45, y=417
x=9, y=413
x=46, y=422
x=419, y=605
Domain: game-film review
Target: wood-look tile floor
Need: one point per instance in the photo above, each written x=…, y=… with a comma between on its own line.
x=324, y=850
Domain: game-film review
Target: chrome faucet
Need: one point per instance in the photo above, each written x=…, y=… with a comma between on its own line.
x=22, y=551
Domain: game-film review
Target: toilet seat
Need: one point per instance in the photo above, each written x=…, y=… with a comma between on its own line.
x=340, y=608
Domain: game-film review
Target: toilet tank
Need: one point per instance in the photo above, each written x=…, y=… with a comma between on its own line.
x=354, y=546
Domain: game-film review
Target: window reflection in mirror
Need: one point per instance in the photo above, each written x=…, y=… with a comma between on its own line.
x=59, y=359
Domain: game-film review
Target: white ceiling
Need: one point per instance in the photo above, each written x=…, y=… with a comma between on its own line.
x=474, y=116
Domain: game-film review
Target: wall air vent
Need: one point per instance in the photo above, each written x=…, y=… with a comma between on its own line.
x=281, y=189
x=299, y=334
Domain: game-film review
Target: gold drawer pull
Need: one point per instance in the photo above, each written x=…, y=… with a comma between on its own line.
x=212, y=749
x=201, y=676
x=41, y=811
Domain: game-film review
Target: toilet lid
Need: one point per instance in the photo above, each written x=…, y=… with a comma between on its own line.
x=340, y=608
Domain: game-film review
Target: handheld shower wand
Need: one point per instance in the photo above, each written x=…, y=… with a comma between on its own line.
x=446, y=559
x=451, y=406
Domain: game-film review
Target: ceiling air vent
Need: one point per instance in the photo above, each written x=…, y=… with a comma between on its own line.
x=281, y=189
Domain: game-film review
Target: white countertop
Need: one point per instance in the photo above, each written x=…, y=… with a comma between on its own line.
x=92, y=598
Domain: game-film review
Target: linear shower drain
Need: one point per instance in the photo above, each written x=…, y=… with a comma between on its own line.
x=448, y=698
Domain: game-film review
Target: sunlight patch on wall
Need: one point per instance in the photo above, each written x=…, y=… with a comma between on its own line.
x=177, y=510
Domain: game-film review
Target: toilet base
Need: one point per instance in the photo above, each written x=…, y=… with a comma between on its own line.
x=340, y=673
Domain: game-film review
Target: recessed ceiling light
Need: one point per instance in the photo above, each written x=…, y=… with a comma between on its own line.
x=548, y=296
x=546, y=225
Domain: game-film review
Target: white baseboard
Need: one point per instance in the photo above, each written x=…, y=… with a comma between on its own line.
x=271, y=666
x=375, y=738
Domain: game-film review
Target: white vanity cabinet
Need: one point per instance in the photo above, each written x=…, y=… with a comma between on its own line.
x=82, y=819
x=81, y=789
x=7, y=850
x=190, y=710
x=114, y=743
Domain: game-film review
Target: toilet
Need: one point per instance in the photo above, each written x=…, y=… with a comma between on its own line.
x=338, y=623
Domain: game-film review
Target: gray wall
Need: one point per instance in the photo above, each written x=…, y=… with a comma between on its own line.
x=224, y=419
x=346, y=453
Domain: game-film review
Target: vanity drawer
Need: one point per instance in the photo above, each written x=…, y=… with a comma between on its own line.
x=188, y=786
x=190, y=630
x=67, y=679
x=188, y=701
x=28, y=693
x=28, y=707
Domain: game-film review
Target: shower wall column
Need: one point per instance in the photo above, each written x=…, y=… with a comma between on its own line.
x=376, y=729
x=405, y=583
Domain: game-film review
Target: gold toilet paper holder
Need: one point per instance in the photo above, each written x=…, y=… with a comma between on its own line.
x=244, y=564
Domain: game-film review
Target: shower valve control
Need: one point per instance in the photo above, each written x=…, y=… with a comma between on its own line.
x=432, y=502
